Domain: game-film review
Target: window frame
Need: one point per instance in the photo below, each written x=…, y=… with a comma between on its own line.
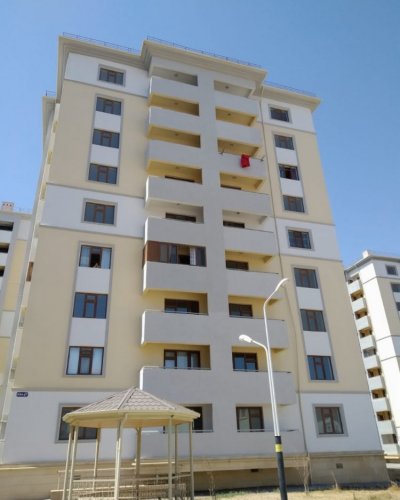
x=394, y=286
x=299, y=271
x=98, y=169
x=90, y=303
x=389, y=269
x=283, y=167
x=282, y=110
x=109, y=71
x=250, y=409
x=292, y=203
x=168, y=303
x=106, y=138
x=317, y=363
x=83, y=431
x=91, y=253
x=79, y=371
x=233, y=305
x=180, y=217
x=236, y=265
x=309, y=317
x=232, y=223
x=98, y=208
x=189, y=353
x=287, y=139
x=301, y=232
x=253, y=358
x=339, y=409
x=105, y=103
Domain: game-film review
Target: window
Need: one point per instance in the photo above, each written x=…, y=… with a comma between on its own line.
x=283, y=141
x=95, y=257
x=105, y=138
x=174, y=178
x=4, y=248
x=83, y=433
x=398, y=306
x=229, y=223
x=102, y=173
x=246, y=361
x=172, y=253
x=237, y=264
x=293, y=203
x=396, y=287
x=299, y=239
x=244, y=310
x=249, y=419
x=97, y=212
x=329, y=420
x=186, y=218
x=181, y=306
x=288, y=172
x=111, y=76
x=313, y=321
x=85, y=361
x=108, y=106
x=6, y=226
x=320, y=368
x=197, y=424
x=305, y=278
x=2, y=269
x=279, y=114
x=391, y=270
x=181, y=359
x=389, y=438
x=90, y=305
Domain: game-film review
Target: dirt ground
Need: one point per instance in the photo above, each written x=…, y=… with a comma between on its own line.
x=392, y=493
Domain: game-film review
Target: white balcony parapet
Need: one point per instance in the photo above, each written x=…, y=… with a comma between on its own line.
x=246, y=201
x=159, y=189
x=5, y=236
x=354, y=287
x=238, y=133
x=386, y=427
x=380, y=404
x=230, y=164
x=371, y=362
x=236, y=103
x=251, y=283
x=169, y=88
x=376, y=383
x=367, y=342
x=178, y=277
x=3, y=259
x=363, y=323
x=359, y=304
x=167, y=152
x=173, y=120
x=189, y=233
x=250, y=240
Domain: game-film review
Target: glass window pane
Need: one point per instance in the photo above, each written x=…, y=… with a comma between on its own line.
x=106, y=258
x=73, y=360
x=89, y=212
x=243, y=419
x=84, y=365
x=85, y=255
x=101, y=310
x=109, y=218
x=238, y=362
x=97, y=362
x=182, y=360
x=78, y=305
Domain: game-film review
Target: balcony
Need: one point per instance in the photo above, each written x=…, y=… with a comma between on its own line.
x=375, y=383
x=380, y=404
x=367, y=342
x=386, y=427
x=371, y=362
x=177, y=277
x=159, y=327
x=175, y=154
x=359, y=305
x=247, y=202
x=3, y=259
x=230, y=164
x=180, y=232
x=238, y=139
x=162, y=87
x=237, y=104
x=159, y=190
x=391, y=449
x=177, y=385
x=250, y=240
x=254, y=327
x=354, y=287
x=363, y=323
x=172, y=120
x=251, y=283
x=5, y=236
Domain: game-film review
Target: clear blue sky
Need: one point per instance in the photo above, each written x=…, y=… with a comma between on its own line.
x=345, y=51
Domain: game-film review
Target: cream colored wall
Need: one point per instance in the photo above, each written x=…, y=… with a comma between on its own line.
x=4, y=343
x=311, y=175
x=70, y=162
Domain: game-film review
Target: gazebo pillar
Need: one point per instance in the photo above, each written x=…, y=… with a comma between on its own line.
x=74, y=447
x=176, y=459
x=169, y=458
x=96, y=457
x=191, y=463
x=138, y=450
x=118, y=447
x=70, y=437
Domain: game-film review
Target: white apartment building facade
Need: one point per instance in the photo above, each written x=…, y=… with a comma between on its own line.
x=177, y=189
x=374, y=289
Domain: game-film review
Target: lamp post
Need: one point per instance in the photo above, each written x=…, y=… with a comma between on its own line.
x=277, y=433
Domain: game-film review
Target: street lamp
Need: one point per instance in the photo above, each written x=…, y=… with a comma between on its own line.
x=267, y=349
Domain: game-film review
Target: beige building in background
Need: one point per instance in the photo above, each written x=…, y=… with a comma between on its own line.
x=374, y=289
x=177, y=189
x=14, y=234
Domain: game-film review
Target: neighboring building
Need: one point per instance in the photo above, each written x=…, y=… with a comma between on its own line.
x=177, y=189
x=14, y=233
x=374, y=289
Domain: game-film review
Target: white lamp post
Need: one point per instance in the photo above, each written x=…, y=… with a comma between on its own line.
x=267, y=349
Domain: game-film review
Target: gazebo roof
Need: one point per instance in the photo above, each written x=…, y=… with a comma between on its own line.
x=138, y=409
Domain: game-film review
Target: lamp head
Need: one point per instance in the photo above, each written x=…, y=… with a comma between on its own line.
x=246, y=338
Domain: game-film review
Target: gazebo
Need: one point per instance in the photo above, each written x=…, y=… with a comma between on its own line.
x=135, y=409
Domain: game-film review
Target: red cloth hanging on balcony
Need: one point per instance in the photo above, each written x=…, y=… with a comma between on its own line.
x=245, y=161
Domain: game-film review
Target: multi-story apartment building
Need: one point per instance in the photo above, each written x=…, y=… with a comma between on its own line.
x=14, y=234
x=374, y=289
x=177, y=189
